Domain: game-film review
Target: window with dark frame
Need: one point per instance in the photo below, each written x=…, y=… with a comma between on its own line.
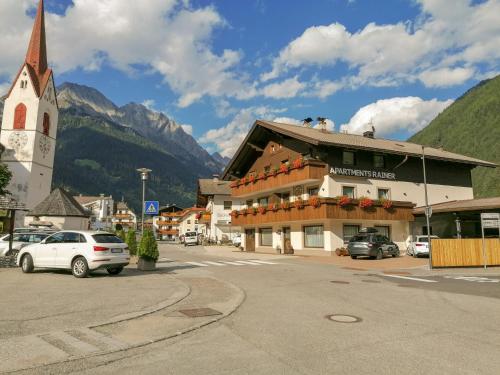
x=314, y=236
x=349, y=231
x=264, y=201
x=249, y=203
x=348, y=158
x=313, y=191
x=379, y=161
x=266, y=237
x=285, y=197
x=383, y=193
x=228, y=205
x=384, y=230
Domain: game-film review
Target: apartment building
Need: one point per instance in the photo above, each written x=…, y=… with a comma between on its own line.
x=167, y=223
x=100, y=208
x=310, y=190
x=124, y=217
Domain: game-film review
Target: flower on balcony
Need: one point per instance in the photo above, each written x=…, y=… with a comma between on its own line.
x=365, y=202
x=272, y=207
x=244, y=212
x=234, y=184
x=314, y=201
x=253, y=210
x=298, y=163
x=198, y=216
x=235, y=213
x=252, y=178
x=262, y=210
x=298, y=203
x=344, y=201
x=285, y=205
x=285, y=168
x=262, y=175
x=243, y=181
x=386, y=203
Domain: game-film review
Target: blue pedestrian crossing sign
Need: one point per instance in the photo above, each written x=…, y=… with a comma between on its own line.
x=151, y=207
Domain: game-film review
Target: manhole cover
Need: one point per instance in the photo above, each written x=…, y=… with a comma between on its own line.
x=339, y=282
x=339, y=318
x=197, y=313
x=371, y=281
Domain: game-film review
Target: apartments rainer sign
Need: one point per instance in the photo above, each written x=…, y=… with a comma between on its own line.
x=362, y=173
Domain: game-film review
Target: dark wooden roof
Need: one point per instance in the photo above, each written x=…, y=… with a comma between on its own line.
x=59, y=203
x=211, y=186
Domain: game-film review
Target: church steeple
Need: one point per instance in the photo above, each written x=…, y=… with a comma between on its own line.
x=36, y=56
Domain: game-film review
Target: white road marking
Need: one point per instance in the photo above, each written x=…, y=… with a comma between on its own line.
x=411, y=278
x=247, y=262
x=214, y=263
x=233, y=263
x=261, y=261
x=197, y=264
x=473, y=278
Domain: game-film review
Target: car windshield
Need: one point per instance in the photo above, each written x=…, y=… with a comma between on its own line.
x=191, y=234
x=424, y=239
x=106, y=238
x=360, y=238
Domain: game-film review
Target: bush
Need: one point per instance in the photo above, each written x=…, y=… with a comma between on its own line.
x=148, y=248
x=131, y=242
x=120, y=233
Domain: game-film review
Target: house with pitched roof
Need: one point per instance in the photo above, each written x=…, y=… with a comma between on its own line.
x=100, y=208
x=60, y=211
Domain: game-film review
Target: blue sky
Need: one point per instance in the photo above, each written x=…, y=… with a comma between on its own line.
x=216, y=66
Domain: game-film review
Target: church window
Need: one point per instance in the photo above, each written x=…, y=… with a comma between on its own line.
x=46, y=123
x=20, y=117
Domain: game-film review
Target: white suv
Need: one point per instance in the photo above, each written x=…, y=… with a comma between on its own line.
x=78, y=251
x=190, y=238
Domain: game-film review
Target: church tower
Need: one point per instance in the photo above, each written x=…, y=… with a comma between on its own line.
x=29, y=125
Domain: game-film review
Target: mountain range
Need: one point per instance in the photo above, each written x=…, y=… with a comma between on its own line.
x=471, y=126
x=100, y=146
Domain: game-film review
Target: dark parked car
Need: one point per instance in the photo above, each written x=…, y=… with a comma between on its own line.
x=373, y=245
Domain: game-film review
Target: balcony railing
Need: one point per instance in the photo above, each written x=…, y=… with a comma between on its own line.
x=323, y=208
x=171, y=232
x=308, y=171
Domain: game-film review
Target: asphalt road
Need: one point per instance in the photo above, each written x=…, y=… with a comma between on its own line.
x=383, y=324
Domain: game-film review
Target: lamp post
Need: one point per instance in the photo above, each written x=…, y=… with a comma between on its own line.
x=144, y=177
x=428, y=211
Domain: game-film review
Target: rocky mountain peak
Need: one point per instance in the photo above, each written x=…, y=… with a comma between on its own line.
x=71, y=94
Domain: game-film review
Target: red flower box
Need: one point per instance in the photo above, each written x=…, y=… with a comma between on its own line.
x=315, y=202
x=251, y=179
x=234, y=184
x=344, y=201
x=386, y=203
x=262, y=176
x=198, y=216
x=284, y=168
x=243, y=181
x=272, y=207
x=298, y=204
x=285, y=205
x=365, y=202
x=262, y=210
x=298, y=163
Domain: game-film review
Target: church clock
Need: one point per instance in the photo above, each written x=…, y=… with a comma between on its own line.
x=44, y=145
x=17, y=140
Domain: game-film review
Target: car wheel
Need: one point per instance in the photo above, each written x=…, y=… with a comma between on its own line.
x=80, y=268
x=27, y=264
x=354, y=257
x=415, y=255
x=115, y=271
x=396, y=254
x=380, y=254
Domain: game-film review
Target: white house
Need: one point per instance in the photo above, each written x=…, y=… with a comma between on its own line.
x=124, y=217
x=100, y=208
x=215, y=195
x=190, y=221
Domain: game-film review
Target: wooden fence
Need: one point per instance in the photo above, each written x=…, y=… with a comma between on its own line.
x=465, y=252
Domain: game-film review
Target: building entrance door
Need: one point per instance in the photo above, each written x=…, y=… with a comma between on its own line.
x=250, y=240
x=287, y=241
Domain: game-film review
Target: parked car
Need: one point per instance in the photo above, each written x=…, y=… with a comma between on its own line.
x=237, y=240
x=19, y=240
x=78, y=251
x=419, y=246
x=181, y=238
x=190, y=238
x=372, y=244
x=35, y=230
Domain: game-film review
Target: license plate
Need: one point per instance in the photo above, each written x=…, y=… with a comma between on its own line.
x=117, y=250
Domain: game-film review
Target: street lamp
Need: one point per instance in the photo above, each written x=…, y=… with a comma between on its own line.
x=144, y=177
x=428, y=210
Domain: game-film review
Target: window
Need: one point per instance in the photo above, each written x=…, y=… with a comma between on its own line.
x=56, y=238
x=228, y=205
x=383, y=193
x=189, y=221
x=348, y=191
x=267, y=169
x=285, y=197
x=46, y=123
x=20, y=117
x=348, y=158
x=266, y=237
x=106, y=238
x=71, y=237
x=378, y=161
x=384, y=230
x=424, y=230
x=313, y=236
x=263, y=201
x=313, y=191
x=250, y=203
x=349, y=232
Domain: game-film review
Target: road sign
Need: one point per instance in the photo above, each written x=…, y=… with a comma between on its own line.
x=490, y=220
x=151, y=207
x=428, y=211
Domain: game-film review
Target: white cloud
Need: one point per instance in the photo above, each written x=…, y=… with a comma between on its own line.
x=330, y=125
x=287, y=89
x=228, y=138
x=324, y=89
x=165, y=36
x=454, y=39
x=445, y=77
x=287, y=120
x=149, y=104
x=408, y=114
x=188, y=129
x=4, y=88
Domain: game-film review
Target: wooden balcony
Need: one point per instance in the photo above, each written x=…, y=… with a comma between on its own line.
x=328, y=209
x=206, y=218
x=311, y=171
x=167, y=222
x=169, y=232
x=123, y=216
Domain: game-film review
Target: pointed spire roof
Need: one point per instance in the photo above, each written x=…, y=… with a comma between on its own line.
x=36, y=57
x=59, y=203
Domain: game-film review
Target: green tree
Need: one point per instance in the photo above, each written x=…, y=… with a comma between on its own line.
x=5, y=176
x=121, y=234
x=148, y=248
x=132, y=242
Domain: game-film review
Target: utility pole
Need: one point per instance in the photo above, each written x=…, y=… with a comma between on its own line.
x=144, y=177
x=428, y=212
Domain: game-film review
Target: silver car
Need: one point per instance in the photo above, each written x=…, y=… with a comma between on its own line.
x=19, y=241
x=419, y=246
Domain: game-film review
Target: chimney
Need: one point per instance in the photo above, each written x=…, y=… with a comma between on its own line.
x=369, y=134
x=307, y=122
x=215, y=177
